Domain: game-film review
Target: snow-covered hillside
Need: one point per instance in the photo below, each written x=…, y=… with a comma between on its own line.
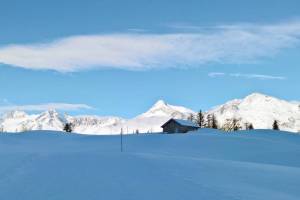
x=256, y=165
x=259, y=109
x=18, y=121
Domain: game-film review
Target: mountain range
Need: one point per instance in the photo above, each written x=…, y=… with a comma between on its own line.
x=258, y=109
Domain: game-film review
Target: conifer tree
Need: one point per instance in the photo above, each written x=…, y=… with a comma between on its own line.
x=209, y=121
x=250, y=127
x=275, y=125
x=200, y=119
x=214, y=122
x=68, y=127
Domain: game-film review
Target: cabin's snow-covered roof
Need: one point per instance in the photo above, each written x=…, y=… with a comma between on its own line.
x=183, y=122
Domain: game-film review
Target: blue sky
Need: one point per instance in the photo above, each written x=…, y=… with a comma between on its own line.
x=119, y=57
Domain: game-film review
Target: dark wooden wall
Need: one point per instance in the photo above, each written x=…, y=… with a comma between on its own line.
x=173, y=127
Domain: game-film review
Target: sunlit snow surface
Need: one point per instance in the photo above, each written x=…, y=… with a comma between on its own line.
x=207, y=164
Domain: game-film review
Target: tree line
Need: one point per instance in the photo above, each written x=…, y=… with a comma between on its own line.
x=210, y=121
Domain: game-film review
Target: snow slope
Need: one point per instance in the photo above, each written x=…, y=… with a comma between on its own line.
x=208, y=164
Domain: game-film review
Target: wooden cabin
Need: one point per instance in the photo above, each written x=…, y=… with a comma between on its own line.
x=179, y=126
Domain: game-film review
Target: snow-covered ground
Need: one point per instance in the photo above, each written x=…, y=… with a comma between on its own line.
x=206, y=164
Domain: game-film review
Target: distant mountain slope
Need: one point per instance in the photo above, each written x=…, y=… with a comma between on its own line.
x=259, y=109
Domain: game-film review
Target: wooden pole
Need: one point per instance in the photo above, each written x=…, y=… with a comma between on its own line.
x=122, y=140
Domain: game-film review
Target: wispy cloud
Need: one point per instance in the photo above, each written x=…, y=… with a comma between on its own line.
x=258, y=76
x=42, y=107
x=216, y=74
x=241, y=43
x=137, y=30
x=248, y=76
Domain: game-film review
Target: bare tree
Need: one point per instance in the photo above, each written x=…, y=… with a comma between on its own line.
x=232, y=125
x=191, y=117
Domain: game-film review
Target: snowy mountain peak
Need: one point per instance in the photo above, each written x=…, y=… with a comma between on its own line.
x=261, y=110
x=259, y=97
x=163, y=109
x=160, y=103
x=50, y=113
x=16, y=114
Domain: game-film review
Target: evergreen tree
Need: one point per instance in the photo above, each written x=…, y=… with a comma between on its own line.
x=200, y=119
x=209, y=121
x=275, y=125
x=68, y=127
x=214, y=122
x=249, y=126
x=137, y=131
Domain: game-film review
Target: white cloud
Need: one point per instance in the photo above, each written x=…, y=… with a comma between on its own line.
x=216, y=74
x=248, y=76
x=258, y=76
x=42, y=107
x=242, y=43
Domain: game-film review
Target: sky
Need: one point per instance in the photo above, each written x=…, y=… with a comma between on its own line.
x=120, y=57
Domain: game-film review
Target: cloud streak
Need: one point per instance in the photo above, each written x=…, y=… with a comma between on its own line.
x=258, y=76
x=141, y=51
x=43, y=107
x=216, y=74
x=248, y=76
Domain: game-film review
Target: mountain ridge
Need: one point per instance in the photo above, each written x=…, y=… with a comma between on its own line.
x=257, y=108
